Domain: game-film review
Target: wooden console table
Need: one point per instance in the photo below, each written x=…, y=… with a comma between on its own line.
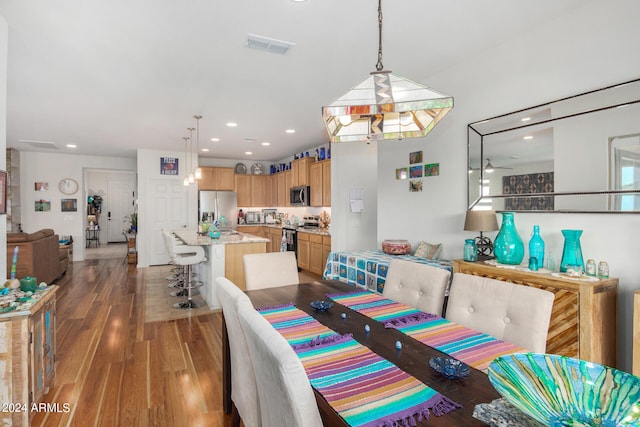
x=583, y=319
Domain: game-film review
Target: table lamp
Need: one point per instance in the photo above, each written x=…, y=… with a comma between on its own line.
x=482, y=221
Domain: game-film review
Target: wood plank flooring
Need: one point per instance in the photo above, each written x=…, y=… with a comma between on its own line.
x=115, y=370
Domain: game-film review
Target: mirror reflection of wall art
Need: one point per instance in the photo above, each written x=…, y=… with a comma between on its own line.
x=432, y=169
x=415, y=171
x=401, y=173
x=415, y=157
x=415, y=185
x=43, y=205
x=42, y=186
x=69, y=205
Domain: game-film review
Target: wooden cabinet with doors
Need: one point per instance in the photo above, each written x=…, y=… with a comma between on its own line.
x=281, y=190
x=320, y=183
x=253, y=190
x=28, y=355
x=326, y=248
x=315, y=253
x=288, y=183
x=275, y=236
x=300, y=168
x=583, y=316
x=313, y=250
x=304, y=248
x=215, y=178
x=243, y=190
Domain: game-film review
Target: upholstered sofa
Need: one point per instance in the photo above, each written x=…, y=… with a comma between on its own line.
x=39, y=255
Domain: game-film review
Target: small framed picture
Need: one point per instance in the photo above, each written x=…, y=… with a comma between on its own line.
x=415, y=185
x=415, y=171
x=3, y=195
x=432, y=169
x=402, y=173
x=43, y=205
x=42, y=186
x=69, y=205
x=169, y=166
x=415, y=157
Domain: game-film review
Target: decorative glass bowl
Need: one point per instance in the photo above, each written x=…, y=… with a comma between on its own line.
x=321, y=305
x=449, y=368
x=561, y=391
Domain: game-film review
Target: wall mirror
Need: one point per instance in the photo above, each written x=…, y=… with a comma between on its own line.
x=576, y=154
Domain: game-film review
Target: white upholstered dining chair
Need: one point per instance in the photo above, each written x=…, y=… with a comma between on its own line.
x=285, y=394
x=418, y=285
x=514, y=313
x=244, y=392
x=272, y=269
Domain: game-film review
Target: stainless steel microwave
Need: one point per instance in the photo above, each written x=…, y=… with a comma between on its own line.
x=299, y=196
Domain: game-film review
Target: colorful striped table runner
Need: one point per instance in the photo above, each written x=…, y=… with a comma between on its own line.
x=364, y=388
x=472, y=347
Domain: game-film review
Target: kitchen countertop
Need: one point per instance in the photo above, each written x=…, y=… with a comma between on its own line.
x=313, y=230
x=192, y=238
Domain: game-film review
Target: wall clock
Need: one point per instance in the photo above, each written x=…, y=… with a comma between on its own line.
x=68, y=186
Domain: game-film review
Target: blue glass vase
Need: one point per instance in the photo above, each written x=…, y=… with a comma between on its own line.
x=571, y=252
x=536, y=246
x=508, y=247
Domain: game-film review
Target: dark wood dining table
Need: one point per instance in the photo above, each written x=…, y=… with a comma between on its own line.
x=412, y=358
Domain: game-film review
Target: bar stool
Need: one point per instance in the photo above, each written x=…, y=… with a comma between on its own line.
x=187, y=256
x=178, y=273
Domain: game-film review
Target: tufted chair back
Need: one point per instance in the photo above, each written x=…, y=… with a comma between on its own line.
x=271, y=269
x=514, y=313
x=418, y=285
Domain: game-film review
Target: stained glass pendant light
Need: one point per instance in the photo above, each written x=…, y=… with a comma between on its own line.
x=385, y=106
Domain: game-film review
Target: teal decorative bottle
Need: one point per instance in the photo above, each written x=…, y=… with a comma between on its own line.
x=571, y=252
x=536, y=246
x=508, y=247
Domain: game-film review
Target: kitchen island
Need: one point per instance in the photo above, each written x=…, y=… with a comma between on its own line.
x=224, y=258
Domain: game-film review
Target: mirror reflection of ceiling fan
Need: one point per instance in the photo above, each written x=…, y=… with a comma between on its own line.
x=489, y=167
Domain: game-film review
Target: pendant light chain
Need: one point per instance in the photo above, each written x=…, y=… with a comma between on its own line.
x=197, y=170
x=379, y=65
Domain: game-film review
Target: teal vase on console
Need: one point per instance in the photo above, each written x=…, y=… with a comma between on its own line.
x=571, y=252
x=508, y=247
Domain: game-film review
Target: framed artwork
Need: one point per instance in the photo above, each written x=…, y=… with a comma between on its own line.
x=169, y=166
x=43, y=205
x=42, y=186
x=69, y=205
x=402, y=173
x=432, y=169
x=415, y=185
x=3, y=189
x=415, y=157
x=415, y=171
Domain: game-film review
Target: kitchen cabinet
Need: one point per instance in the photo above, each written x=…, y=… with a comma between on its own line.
x=315, y=254
x=326, y=248
x=303, y=250
x=282, y=191
x=28, y=355
x=320, y=183
x=243, y=190
x=215, y=178
x=275, y=236
x=583, y=317
x=253, y=190
x=300, y=168
x=288, y=183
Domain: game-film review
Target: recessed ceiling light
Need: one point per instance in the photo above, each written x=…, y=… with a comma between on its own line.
x=215, y=139
x=265, y=143
x=248, y=153
x=232, y=124
x=72, y=146
x=290, y=131
x=205, y=150
x=528, y=137
x=525, y=119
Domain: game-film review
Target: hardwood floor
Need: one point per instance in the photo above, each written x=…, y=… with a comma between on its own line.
x=115, y=370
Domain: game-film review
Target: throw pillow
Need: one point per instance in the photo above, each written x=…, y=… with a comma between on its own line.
x=428, y=250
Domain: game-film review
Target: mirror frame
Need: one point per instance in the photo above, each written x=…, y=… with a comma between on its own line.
x=505, y=123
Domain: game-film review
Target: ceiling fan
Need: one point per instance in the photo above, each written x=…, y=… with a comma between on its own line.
x=489, y=167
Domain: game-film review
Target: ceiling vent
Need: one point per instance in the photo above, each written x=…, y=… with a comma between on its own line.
x=268, y=44
x=40, y=144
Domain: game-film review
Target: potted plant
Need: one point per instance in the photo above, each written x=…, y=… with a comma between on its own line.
x=132, y=219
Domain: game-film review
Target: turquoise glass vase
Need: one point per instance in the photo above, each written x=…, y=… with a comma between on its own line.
x=508, y=247
x=571, y=252
x=536, y=246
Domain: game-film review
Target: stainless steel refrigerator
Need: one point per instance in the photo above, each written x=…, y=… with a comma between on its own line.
x=218, y=205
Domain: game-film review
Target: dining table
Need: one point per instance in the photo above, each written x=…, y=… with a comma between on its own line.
x=413, y=356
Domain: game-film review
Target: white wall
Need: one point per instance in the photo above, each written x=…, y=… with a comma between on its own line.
x=4, y=34
x=592, y=47
x=51, y=168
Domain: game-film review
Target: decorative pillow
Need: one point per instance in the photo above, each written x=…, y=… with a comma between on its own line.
x=428, y=250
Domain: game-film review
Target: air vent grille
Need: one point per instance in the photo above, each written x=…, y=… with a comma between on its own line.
x=40, y=144
x=268, y=44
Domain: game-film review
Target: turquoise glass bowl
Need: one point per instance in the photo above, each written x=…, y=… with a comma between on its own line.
x=561, y=391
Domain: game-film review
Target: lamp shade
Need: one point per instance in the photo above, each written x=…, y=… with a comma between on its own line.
x=481, y=221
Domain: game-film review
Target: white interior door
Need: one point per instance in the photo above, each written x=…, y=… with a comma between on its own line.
x=167, y=202
x=120, y=203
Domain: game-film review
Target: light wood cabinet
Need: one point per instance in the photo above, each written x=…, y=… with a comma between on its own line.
x=583, y=317
x=326, y=248
x=288, y=183
x=215, y=178
x=315, y=253
x=275, y=236
x=300, y=169
x=28, y=355
x=253, y=190
x=320, y=183
x=243, y=190
x=303, y=250
x=282, y=191
x=233, y=261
